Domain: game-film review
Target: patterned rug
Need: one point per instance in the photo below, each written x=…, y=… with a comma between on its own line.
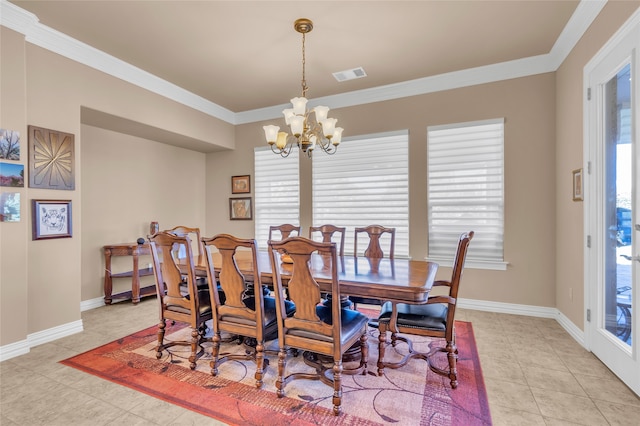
x=411, y=395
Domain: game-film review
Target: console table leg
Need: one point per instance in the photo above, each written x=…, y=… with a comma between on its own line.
x=135, y=286
x=108, y=283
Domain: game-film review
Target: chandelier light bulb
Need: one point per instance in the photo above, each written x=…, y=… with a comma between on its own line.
x=321, y=113
x=271, y=133
x=337, y=136
x=288, y=113
x=282, y=140
x=329, y=127
x=297, y=125
x=299, y=105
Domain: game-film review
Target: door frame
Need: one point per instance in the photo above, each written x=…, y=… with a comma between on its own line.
x=592, y=209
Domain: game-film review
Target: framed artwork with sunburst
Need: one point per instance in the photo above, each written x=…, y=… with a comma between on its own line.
x=51, y=159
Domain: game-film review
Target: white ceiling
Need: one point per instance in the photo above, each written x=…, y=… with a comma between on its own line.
x=245, y=55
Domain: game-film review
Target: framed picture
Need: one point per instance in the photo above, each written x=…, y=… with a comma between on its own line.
x=577, y=185
x=51, y=159
x=51, y=219
x=10, y=207
x=240, y=208
x=11, y=174
x=9, y=144
x=241, y=184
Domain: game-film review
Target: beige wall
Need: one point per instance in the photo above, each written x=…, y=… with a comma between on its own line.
x=43, y=282
x=527, y=104
x=127, y=183
x=569, y=147
x=14, y=236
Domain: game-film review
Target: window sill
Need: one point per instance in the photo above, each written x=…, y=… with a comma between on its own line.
x=471, y=264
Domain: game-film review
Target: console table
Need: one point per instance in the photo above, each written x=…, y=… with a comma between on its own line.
x=127, y=249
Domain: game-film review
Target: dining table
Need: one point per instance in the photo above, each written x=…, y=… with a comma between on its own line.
x=399, y=280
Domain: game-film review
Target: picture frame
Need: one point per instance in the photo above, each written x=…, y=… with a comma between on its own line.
x=10, y=207
x=11, y=174
x=241, y=184
x=51, y=219
x=578, y=186
x=9, y=145
x=51, y=159
x=240, y=208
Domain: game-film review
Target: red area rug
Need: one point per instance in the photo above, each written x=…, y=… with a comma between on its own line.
x=412, y=395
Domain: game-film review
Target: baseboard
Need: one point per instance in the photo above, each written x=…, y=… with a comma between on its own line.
x=55, y=333
x=20, y=348
x=507, y=308
x=13, y=350
x=87, y=305
x=571, y=328
x=528, y=310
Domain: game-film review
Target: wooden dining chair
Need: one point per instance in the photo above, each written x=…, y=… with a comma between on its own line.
x=435, y=319
x=285, y=231
x=179, y=300
x=323, y=330
x=242, y=311
x=327, y=232
x=194, y=236
x=373, y=251
x=374, y=232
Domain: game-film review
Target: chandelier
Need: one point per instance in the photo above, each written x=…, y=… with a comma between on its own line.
x=308, y=131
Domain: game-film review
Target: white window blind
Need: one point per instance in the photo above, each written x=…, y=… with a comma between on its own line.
x=466, y=188
x=277, y=192
x=365, y=183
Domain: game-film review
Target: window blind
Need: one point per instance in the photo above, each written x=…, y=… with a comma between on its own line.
x=277, y=192
x=466, y=188
x=365, y=183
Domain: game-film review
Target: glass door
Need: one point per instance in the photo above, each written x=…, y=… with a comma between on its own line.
x=616, y=296
x=611, y=208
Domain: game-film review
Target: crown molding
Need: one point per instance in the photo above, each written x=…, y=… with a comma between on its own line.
x=26, y=23
x=582, y=18
x=18, y=19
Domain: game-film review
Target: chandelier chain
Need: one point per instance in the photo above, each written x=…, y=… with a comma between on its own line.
x=304, y=63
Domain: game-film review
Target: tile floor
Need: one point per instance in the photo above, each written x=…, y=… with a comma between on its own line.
x=535, y=374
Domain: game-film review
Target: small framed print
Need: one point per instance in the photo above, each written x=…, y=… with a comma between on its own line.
x=10, y=207
x=241, y=184
x=240, y=208
x=578, y=195
x=51, y=219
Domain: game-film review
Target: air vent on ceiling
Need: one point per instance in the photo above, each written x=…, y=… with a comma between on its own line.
x=351, y=74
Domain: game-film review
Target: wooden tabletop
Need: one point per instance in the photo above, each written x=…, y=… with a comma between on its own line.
x=399, y=280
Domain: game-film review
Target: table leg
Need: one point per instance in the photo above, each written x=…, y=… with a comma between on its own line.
x=108, y=284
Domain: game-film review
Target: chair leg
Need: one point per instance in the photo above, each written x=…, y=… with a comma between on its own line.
x=161, y=328
x=282, y=362
x=382, y=344
x=337, y=386
x=452, y=356
x=195, y=341
x=364, y=353
x=259, y=364
x=215, y=352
